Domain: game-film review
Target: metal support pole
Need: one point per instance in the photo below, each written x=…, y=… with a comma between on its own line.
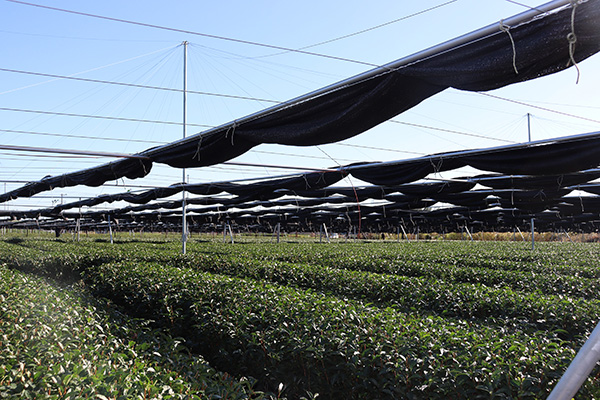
x=110, y=230
x=230, y=232
x=532, y=234
x=404, y=232
x=183, y=205
x=469, y=233
x=521, y=233
x=580, y=368
x=321, y=234
x=567, y=233
x=278, y=231
x=326, y=233
x=529, y=126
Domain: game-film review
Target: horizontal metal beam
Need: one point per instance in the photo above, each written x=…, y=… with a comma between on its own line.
x=66, y=151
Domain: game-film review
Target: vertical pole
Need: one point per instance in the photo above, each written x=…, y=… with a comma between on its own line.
x=79, y=222
x=5, y=208
x=230, y=232
x=529, y=126
x=278, y=231
x=183, y=207
x=321, y=234
x=532, y=234
x=110, y=230
x=224, y=232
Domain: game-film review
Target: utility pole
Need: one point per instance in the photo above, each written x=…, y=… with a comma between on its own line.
x=183, y=205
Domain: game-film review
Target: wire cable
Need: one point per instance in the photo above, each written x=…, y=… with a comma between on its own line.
x=452, y=131
x=100, y=117
x=523, y=5
x=368, y=29
x=81, y=136
x=242, y=41
x=90, y=70
x=133, y=85
x=540, y=108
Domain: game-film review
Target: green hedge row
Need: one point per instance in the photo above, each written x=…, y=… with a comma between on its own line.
x=313, y=342
x=58, y=343
x=573, y=317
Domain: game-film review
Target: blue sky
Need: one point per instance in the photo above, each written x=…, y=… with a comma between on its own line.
x=52, y=42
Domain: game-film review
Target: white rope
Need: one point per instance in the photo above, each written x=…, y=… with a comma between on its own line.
x=232, y=129
x=506, y=28
x=572, y=38
x=196, y=155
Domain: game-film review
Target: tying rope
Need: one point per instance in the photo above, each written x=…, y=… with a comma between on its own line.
x=436, y=167
x=506, y=28
x=197, y=153
x=232, y=129
x=572, y=38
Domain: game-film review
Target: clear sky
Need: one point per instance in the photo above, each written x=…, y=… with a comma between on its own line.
x=42, y=41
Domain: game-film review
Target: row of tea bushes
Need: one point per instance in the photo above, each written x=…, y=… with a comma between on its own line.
x=58, y=343
x=356, y=321
x=574, y=259
x=339, y=348
x=572, y=317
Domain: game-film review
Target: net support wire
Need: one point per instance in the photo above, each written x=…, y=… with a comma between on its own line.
x=489, y=30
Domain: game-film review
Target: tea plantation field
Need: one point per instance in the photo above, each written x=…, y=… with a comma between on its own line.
x=420, y=320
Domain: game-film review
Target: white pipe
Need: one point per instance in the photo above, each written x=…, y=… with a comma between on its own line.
x=404, y=231
x=183, y=205
x=110, y=230
x=580, y=368
x=230, y=232
x=532, y=234
x=521, y=233
x=469, y=233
